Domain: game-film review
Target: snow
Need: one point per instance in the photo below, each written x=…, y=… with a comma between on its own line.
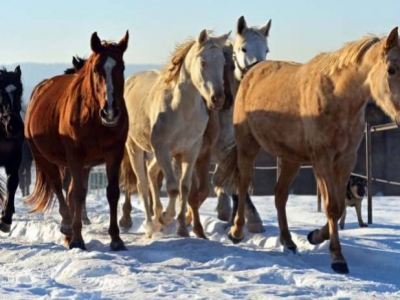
x=34, y=264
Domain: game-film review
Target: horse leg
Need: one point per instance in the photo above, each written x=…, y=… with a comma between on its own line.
x=136, y=157
x=247, y=151
x=332, y=176
x=289, y=171
x=342, y=219
x=224, y=208
x=254, y=222
x=164, y=160
x=53, y=171
x=76, y=199
x=113, y=164
x=85, y=218
x=201, y=190
x=153, y=170
x=187, y=165
x=126, y=220
x=12, y=185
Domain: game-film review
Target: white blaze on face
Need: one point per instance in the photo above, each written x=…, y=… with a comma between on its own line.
x=108, y=67
x=10, y=91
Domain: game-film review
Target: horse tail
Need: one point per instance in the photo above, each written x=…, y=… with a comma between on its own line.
x=227, y=174
x=42, y=197
x=127, y=177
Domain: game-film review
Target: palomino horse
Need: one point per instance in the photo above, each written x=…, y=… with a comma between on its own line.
x=312, y=113
x=86, y=124
x=168, y=116
x=11, y=139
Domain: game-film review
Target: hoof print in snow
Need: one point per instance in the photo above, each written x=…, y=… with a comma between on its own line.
x=118, y=246
x=77, y=244
x=5, y=227
x=340, y=267
x=235, y=240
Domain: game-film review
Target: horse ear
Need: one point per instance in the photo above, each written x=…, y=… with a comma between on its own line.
x=123, y=43
x=203, y=36
x=392, y=39
x=241, y=25
x=265, y=28
x=18, y=71
x=75, y=62
x=95, y=43
x=223, y=38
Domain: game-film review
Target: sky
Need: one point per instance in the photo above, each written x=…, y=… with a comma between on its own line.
x=53, y=31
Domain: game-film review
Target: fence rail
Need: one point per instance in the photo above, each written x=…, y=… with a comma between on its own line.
x=98, y=179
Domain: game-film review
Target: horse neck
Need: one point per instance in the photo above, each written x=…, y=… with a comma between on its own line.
x=186, y=96
x=352, y=82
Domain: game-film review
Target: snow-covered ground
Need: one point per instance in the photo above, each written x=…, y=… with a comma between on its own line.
x=34, y=264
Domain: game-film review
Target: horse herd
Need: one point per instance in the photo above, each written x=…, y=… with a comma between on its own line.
x=214, y=98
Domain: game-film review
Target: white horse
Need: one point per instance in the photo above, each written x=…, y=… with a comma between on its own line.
x=168, y=115
x=249, y=47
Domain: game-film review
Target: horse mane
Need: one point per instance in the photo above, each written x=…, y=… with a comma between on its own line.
x=172, y=69
x=351, y=53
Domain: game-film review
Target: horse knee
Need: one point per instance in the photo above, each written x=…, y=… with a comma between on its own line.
x=333, y=211
x=172, y=188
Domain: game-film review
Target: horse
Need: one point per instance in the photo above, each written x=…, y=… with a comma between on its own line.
x=249, y=47
x=86, y=124
x=11, y=140
x=168, y=114
x=312, y=112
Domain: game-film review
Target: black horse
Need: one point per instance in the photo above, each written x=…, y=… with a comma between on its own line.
x=11, y=138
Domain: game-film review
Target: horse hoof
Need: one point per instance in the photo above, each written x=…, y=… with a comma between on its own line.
x=182, y=232
x=77, y=244
x=165, y=220
x=235, y=240
x=340, y=267
x=255, y=227
x=118, y=246
x=310, y=237
x=5, y=227
x=200, y=234
x=291, y=249
x=125, y=223
x=86, y=221
x=66, y=230
x=363, y=225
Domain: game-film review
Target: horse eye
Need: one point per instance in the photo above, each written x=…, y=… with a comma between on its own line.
x=391, y=71
x=244, y=49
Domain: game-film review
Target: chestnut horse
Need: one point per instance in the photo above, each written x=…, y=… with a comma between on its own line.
x=85, y=124
x=311, y=112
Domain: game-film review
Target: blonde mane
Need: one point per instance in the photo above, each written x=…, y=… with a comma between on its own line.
x=351, y=53
x=171, y=71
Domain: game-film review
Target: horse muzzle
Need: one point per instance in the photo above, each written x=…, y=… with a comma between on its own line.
x=217, y=101
x=109, y=117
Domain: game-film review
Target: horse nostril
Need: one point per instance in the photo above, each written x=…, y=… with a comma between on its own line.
x=117, y=112
x=103, y=113
x=213, y=99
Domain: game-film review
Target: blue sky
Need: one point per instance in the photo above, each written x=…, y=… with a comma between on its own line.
x=53, y=31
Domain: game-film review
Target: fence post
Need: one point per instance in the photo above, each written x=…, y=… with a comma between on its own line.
x=368, y=168
x=278, y=168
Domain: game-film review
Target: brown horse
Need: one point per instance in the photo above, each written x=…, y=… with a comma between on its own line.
x=312, y=113
x=78, y=121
